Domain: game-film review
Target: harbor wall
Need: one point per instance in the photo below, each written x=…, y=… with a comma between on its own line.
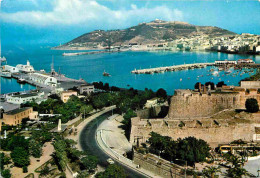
x=160, y=167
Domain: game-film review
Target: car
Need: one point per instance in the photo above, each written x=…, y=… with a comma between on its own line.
x=110, y=161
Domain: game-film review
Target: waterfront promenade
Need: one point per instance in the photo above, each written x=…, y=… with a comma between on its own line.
x=172, y=68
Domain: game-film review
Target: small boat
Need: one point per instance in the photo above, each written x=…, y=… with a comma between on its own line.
x=21, y=80
x=106, y=74
x=215, y=73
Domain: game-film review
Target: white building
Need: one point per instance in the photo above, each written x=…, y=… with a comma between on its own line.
x=86, y=88
x=25, y=68
x=24, y=98
x=43, y=79
x=11, y=69
x=225, y=62
x=245, y=61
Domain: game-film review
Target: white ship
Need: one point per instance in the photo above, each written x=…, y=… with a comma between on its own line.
x=5, y=74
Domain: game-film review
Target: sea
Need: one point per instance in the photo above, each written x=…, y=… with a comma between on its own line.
x=119, y=65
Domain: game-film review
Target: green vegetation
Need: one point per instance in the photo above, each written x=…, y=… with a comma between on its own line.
x=69, y=110
x=210, y=171
x=236, y=170
x=162, y=94
x=252, y=105
x=188, y=149
x=66, y=154
x=6, y=173
x=4, y=160
x=20, y=157
x=22, y=148
x=114, y=171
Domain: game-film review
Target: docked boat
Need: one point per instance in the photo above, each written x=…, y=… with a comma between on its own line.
x=106, y=74
x=5, y=74
x=21, y=81
x=215, y=73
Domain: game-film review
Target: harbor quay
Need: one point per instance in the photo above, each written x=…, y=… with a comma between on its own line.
x=223, y=64
x=171, y=68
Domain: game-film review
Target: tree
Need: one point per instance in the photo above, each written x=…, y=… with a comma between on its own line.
x=236, y=172
x=25, y=169
x=210, y=171
x=89, y=162
x=85, y=109
x=14, y=141
x=35, y=148
x=193, y=150
x=252, y=105
x=161, y=93
x=20, y=157
x=45, y=171
x=114, y=171
x=106, y=87
x=196, y=86
x=4, y=160
x=220, y=84
x=6, y=173
x=127, y=121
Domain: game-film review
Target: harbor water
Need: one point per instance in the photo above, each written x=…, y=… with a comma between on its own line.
x=119, y=66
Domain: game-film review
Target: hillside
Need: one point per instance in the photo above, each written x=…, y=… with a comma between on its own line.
x=156, y=31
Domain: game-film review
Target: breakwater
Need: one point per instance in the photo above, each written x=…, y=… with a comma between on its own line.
x=172, y=68
x=90, y=52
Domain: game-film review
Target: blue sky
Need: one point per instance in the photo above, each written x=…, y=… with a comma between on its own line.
x=58, y=21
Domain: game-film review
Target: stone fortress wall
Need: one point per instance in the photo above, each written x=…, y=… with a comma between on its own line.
x=204, y=103
x=204, y=114
x=189, y=104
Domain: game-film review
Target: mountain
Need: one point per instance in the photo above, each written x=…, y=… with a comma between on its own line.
x=156, y=31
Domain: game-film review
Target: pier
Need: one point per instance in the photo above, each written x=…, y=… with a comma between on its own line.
x=172, y=68
x=90, y=52
x=222, y=66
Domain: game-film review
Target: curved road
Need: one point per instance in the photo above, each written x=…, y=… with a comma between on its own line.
x=88, y=143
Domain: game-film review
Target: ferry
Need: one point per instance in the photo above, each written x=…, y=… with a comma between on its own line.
x=106, y=74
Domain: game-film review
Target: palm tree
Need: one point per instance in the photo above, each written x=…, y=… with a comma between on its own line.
x=237, y=172
x=210, y=171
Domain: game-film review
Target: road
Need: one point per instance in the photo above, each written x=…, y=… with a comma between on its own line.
x=88, y=143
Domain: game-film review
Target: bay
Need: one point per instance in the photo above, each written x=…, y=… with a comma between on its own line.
x=119, y=65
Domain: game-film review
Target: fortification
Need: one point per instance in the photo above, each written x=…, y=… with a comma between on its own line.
x=206, y=114
x=190, y=104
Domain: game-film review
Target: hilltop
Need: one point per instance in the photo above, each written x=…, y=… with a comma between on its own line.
x=154, y=32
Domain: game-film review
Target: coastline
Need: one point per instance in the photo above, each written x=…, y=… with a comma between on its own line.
x=149, y=49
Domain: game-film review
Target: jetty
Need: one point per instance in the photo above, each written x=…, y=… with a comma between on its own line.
x=90, y=52
x=172, y=68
